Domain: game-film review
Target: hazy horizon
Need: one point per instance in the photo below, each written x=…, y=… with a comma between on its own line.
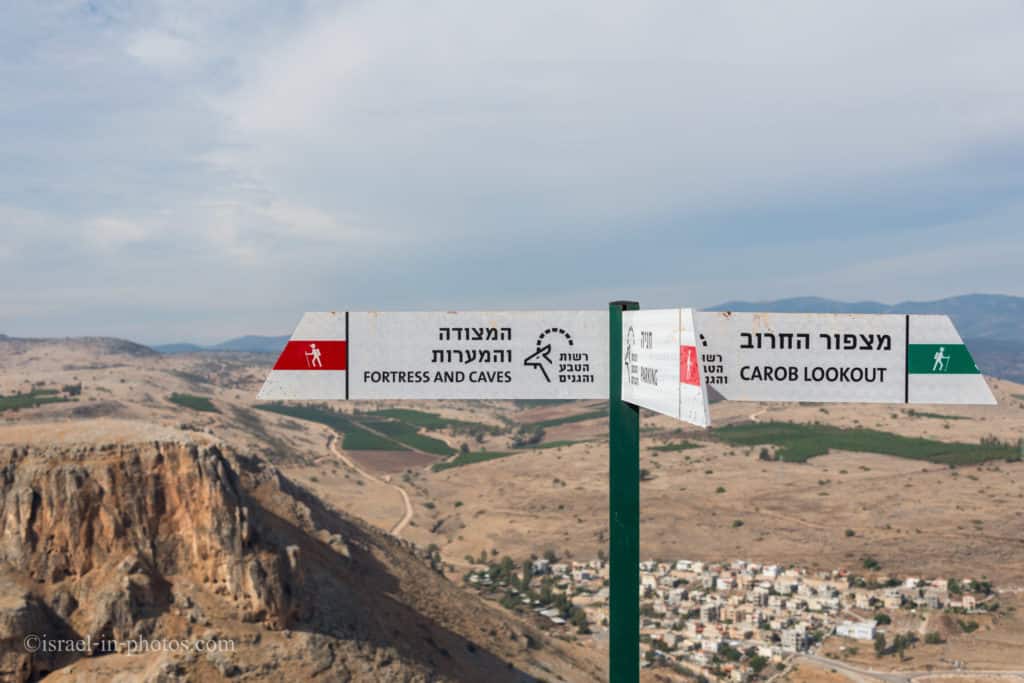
x=208, y=340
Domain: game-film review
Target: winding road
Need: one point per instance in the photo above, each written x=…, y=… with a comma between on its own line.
x=396, y=530
x=900, y=676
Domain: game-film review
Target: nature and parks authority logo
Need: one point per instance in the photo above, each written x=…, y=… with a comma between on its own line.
x=558, y=360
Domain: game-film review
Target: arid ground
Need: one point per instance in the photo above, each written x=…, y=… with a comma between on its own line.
x=914, y=517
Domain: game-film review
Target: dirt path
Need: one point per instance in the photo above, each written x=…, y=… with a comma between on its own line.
x=396, y=530
x=903, y=676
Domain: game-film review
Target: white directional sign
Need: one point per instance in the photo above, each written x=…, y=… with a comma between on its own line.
x=841, y=358
x=444, y=355
x=564, y=355
x=662, y=370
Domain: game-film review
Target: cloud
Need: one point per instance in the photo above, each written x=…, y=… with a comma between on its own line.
x=160, y=49
x=111, y=232
x=402, y=154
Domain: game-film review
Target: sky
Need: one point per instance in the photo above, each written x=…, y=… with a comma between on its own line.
x=193, y=171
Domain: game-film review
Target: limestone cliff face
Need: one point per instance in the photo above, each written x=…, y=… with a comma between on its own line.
x=168, y=540
x=122, y=518
x=101, y=532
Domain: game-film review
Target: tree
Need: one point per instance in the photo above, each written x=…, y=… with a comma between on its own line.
x=578, y=618
x=527, y=575
x=968, y=626
x=506, y=569
x=879, y=644
x=730, y=653
x=903, y=641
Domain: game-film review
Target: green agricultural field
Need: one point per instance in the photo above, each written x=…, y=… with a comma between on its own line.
x=540, y=402
x=355, y=438
x=409, y=435
x=544, y=424
x=419, y=418
x=671, y=447
x=467, y=459
x=200, y=403
x=34, y=398
x=801, y=442
x=556, y=444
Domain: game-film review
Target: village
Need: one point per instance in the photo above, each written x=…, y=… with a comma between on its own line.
x=737, y=621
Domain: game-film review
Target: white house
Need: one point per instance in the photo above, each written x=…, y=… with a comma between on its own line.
x=858, y=630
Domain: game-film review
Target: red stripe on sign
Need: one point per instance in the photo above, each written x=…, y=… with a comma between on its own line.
x=689, y=366
x=313, y=355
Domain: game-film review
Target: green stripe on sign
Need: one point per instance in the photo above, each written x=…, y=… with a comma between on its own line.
x=940, y=359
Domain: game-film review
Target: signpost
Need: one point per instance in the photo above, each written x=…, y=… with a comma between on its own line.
x=663, y=360
x=838, y=358
x=623, y=507
x=662, y=365
x=444, y=355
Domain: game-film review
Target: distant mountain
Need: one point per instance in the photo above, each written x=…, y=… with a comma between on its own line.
x=977, y=316
x=992, y=325
x=253, y=344
x=177, y=348
x=101, y=345
x=247, y=344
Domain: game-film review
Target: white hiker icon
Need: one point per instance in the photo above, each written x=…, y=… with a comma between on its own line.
x=313, y=357
x=689, y=363
x=941, y=363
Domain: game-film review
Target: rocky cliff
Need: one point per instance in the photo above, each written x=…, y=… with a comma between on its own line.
x=169, y=542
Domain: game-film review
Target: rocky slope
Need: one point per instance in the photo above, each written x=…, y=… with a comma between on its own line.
x=168, y=541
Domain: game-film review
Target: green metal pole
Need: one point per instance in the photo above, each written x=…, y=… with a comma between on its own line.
x=624, y=512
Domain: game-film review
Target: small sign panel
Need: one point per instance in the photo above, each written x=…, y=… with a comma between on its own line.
x=661, y=369
x=444, y=355
x=693, y=395
x=838, y=358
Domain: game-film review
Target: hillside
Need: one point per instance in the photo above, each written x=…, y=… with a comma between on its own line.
x=104, y=346
x=922, y=491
